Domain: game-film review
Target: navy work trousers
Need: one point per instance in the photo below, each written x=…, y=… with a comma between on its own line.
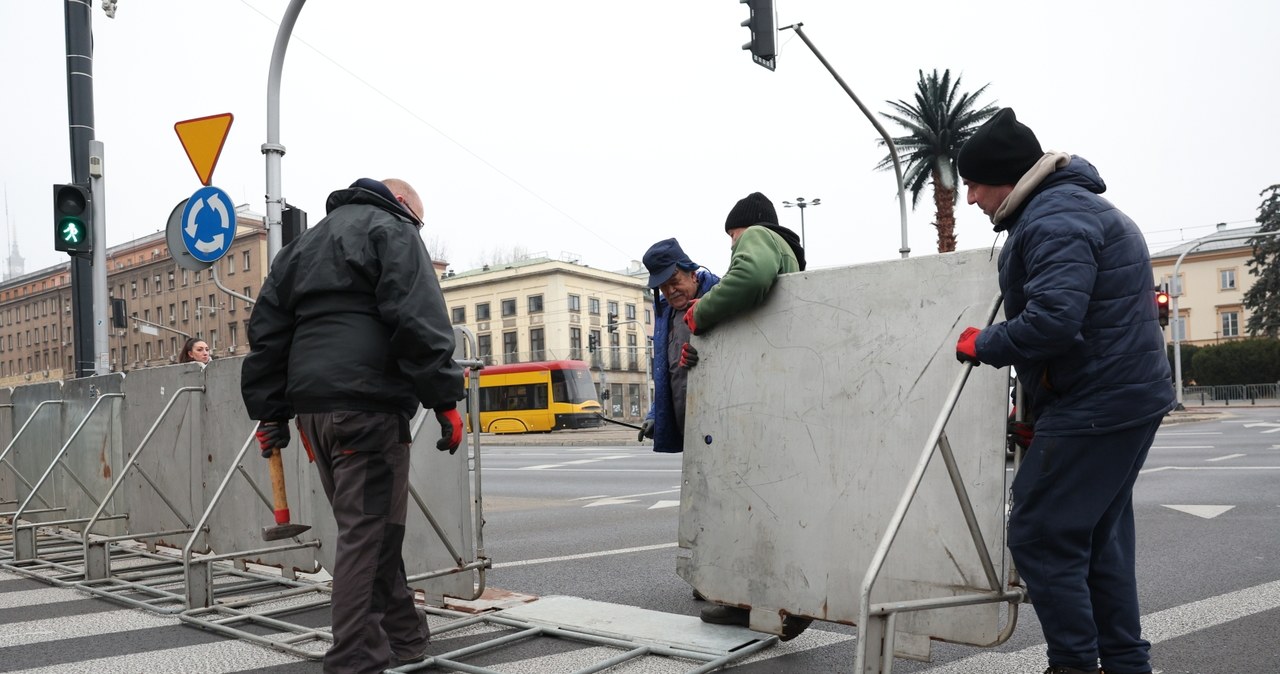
x=363, y=460
x=1071, y=535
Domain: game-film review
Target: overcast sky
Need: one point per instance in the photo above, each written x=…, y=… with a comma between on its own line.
x=593, y=128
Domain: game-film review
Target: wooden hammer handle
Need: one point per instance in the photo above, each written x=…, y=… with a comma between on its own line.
x=279, y=497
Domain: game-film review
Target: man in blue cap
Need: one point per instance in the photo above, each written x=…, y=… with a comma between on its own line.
x=676, y=281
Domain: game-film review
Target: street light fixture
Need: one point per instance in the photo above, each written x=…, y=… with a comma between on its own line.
x=801, y=204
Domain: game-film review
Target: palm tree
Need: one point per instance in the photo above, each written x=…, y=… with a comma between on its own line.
x=939, y=122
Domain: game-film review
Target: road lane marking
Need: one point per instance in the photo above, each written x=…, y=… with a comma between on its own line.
x=1183, y=447
x=210, y=658
x=626, y=498
x=575, y=462
x=552, y=468
x=1208, y=512
x=1164, y=468
x=585, y=555
x=1224, y=458
x=1170, y=623
x=1168, y=433
x=664, y=504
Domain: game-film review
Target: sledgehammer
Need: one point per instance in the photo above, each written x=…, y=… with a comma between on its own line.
x=280, y=501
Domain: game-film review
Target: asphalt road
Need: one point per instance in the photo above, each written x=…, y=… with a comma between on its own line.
x=598, y=520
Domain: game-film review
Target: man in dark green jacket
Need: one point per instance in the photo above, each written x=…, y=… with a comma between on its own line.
x=762, y=249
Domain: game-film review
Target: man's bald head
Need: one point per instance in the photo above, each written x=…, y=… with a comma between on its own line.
x=406, y=195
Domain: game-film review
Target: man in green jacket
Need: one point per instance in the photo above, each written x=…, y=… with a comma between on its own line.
x=762, y=249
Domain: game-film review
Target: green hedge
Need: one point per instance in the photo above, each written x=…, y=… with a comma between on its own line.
x=1188, y=356
x=1247, y=361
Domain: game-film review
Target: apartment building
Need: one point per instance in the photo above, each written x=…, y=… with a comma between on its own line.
x=544, y=309
x=164, y=305
x=1210, y=284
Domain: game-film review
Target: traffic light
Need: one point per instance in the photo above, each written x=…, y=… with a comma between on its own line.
x=1162, y=306
x=764, y=32
x=293, y=222
x=591, y=343
x=72, y=219
x=613, y=322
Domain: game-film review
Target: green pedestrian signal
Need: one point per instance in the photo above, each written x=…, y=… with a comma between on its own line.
x=72, y=219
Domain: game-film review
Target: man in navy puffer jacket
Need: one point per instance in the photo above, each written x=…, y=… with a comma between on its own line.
x=1082, y=332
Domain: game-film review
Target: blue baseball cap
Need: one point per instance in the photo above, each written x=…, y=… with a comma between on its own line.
x=663, y=258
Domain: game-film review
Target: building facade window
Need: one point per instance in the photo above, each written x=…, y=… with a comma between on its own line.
x=615, y=357
x=631, y=312
x=247, y=257
x=482, y=311
x=535, y=307
x=633, y=360
x=508, y=308
x=593, y=306
x=484, y=344
x=575, y=304
x=1227, y=279
x=613, y=308
x=459, y=315
x=597, y=358
x=537, y=344
x=575, y=343
x=509, y=348
x=1230, y=324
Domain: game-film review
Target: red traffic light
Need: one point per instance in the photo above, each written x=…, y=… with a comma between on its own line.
x=1162, y=298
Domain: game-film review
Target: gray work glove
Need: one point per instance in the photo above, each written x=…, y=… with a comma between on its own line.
x=646, y=430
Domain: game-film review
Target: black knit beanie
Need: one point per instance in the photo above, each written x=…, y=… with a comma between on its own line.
x=999, y=152
x=752, y=209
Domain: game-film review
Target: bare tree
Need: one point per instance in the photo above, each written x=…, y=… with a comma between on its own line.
x=501, y=255
x=437, y=248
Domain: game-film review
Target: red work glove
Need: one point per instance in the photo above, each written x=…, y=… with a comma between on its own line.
x=1021, y=433
x=450, y=428
x=688, y=356
x=967, y=346
x=688, y=318
x=272, y=435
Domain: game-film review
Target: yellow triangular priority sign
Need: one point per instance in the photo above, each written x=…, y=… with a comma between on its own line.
x=202, y=138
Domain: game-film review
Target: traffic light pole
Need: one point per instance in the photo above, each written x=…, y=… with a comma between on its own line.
x=272, y=148
x=79, y=39
x=905, y=250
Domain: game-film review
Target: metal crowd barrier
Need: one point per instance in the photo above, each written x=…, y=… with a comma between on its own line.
x=163, y=528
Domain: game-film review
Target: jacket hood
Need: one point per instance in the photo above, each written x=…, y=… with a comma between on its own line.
x=364, y=197
x=1076, y=171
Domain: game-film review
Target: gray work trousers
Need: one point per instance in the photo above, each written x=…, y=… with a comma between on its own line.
x=363, y=459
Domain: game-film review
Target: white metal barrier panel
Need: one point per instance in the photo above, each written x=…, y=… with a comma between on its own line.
x=805, y=422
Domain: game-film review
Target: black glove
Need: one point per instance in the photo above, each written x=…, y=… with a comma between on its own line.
x=688, y=356
x=272, y=435
x=646, y=430
x=450, y=428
